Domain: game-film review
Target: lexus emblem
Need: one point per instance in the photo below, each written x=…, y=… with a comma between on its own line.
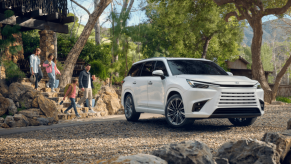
x=237, y=82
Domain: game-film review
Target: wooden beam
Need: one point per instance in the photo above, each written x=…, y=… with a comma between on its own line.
x=68, y=19
x=52, y=17
x=34, y=23
x=35, y=13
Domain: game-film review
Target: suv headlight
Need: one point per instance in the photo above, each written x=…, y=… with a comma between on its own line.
x=195, y=84
x=258, y=86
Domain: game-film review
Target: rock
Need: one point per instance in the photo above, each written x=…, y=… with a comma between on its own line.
x=220, y=160
x=33, y=122
x=34, y=103
x=17, y=104
x=27, y=98
x=48, y=107
x=30, y=113
x=2, y=120
x=4, y=90
x=134, y=159
x=20, y=120
x=185, y=152
x=16, y=90
x=4, y=125
x=249, y=151
x=9, y=120
x=43, y=121
x=108, y=91
x=277, y=103
x=12, y=109
x=282, y=142
x=112, y=104
x=100, y=105
x=4, y=105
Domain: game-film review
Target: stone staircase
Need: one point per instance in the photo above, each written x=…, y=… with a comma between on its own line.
x=58, y=96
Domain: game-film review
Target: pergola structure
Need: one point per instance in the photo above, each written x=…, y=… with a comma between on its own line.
x=49, y=16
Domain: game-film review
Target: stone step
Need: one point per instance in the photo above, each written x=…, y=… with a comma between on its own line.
x=80, y=110
x=50, y=94
x=83, y=115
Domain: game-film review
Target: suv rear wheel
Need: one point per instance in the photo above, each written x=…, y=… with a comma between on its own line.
x=129, y=109
x=175, y=113
x=242, y=121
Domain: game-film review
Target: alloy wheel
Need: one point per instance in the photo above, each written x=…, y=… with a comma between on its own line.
x=128, y=107
x=176, y=112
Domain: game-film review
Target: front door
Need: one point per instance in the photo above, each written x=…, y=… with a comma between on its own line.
x=156, y=89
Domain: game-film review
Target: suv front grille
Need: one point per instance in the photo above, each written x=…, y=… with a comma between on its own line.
x=237, y=99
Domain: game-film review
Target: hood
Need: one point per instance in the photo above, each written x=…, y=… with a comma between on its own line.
x=220, y=79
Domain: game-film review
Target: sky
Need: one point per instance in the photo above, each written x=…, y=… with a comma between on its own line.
x=137, y=16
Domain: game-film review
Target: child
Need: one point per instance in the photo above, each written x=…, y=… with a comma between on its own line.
x=71, y=93
x=51, y=70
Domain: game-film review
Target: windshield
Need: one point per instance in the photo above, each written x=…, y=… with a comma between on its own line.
x=195, y=67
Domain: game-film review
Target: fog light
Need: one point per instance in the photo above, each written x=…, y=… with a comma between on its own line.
x=198, y=106
x=262, y=104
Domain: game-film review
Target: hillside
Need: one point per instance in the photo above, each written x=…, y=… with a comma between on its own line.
x=271, y=29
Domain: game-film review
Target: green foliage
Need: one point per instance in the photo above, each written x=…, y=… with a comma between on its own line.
x=4, y=116
x=7, y=32
x=97, y=87
x=12, y=71
x=283, y=99
x=98, y=69
x=30, y=41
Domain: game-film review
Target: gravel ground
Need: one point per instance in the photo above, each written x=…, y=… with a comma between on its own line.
x=92, y=142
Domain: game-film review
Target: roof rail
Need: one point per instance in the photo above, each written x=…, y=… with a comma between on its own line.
x=150, y=58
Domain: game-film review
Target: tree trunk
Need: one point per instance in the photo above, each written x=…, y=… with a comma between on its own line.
x=257, y=67
x=97, y=27
x=76, y=50
x=205, y=47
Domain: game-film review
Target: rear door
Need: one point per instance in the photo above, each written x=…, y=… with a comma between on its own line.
x=156, y=88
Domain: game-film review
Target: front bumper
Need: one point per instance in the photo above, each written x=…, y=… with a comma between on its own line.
x=223, y=102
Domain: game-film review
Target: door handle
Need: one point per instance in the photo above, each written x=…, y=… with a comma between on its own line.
x=134, y=82
x=150, y=83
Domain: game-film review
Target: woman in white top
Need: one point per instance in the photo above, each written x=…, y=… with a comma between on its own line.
x=35, y=66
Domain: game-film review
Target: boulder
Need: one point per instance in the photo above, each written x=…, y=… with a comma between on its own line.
x=185, y=152
x=44, y=121
x=100, y=105
x=4, y=90
x=20, y=120
x=48, y=107
x=34, y=103
x=17, y=104
x=2, y=120
x=27, y=98
x=134, y=159
x=12, y=109
x=4, y=105
x=9, y=120
x=220, y=160
x=282, y=142
x=33, y=122
x=16, y=90
x=249, y=151
x=30, y=113
x=112, y=104
x=3, y=125
x=108, y=91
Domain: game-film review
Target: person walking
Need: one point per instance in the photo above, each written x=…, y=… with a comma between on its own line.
x=51, y=70
x=35, y=67
x=86, y=85
x=71, y=93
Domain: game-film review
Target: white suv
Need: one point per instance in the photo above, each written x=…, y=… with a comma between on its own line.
x=185, y=89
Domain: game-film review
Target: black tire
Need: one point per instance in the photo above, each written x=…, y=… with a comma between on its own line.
x=175, y=113
x=242, y=121
x=129, y=109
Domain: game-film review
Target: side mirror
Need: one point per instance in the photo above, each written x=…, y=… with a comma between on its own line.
x=159, y=73
x=229, y=73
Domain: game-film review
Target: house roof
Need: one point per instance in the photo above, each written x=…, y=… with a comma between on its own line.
x=243, y=60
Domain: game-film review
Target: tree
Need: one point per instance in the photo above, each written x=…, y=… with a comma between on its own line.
x=253, y=11
x=97, y=26
x=76, y=50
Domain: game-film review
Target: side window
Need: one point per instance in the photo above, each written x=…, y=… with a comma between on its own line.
x=148, y=68
x=135, y=70
x=161, y=66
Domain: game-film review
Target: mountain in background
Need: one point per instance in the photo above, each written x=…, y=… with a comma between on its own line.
x=274, y=29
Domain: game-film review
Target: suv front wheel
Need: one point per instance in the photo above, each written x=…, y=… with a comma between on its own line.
x=175, y=113
x=129, y=109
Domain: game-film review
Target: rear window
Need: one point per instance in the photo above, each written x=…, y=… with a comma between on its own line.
x=135, y=70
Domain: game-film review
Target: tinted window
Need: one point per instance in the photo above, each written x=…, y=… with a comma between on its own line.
x=161, y=66
x=135, y=70
x=148, y=68
x=195, y=67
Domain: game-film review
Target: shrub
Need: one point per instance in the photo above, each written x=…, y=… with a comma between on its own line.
x=283, y=99
x=97, y=87
x=98, y=69
x=12, y=71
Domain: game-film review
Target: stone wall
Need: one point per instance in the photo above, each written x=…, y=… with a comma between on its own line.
x=19, y=54
x=47, y=46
